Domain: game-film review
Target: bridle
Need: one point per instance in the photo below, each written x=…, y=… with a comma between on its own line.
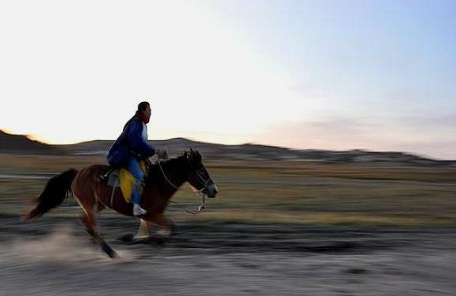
x=203, y=205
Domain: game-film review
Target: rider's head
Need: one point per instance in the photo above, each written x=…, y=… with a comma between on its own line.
x=144, y=111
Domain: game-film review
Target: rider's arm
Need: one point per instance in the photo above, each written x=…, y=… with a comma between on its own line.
x=136, y=141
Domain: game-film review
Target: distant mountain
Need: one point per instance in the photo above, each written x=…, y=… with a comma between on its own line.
x=21, y=144
x=213, y=151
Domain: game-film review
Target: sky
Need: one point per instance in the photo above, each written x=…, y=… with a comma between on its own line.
x=376, y=75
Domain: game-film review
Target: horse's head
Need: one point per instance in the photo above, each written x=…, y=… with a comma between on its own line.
x=198, y=176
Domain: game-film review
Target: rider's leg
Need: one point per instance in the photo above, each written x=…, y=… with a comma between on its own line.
x=136, y=171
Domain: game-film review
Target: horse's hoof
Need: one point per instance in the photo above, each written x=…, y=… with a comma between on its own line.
x=133, y=239
x=108, y=250
x=112, y=254
x=160, y=241
x=173, y=228
x=164, y=233
x=153, y=239
x=127, y=238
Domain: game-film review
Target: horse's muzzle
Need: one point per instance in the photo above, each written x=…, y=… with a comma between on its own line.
x=211, y=190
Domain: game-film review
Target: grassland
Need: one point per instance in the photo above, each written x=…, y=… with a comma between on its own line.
x=279, y=192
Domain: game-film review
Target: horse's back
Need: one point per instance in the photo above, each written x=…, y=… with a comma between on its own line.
x=87, y=179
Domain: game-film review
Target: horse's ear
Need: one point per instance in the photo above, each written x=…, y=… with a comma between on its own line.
x=198, y=157
x=187, y=155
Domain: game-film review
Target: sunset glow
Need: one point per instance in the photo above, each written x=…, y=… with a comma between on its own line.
x=302, y=74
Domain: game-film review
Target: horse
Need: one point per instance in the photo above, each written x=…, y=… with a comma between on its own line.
x=162, y=180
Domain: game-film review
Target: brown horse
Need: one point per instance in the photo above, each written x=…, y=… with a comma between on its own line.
x=161, y=182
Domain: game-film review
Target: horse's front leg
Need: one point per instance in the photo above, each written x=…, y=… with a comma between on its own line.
x=166, y=225
x=143, y=230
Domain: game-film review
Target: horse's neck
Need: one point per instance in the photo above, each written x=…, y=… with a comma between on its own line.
x=171, y=174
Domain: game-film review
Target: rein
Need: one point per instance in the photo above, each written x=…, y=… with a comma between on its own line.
x=164, y=175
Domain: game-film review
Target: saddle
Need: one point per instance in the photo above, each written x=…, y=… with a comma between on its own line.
x=120, y=177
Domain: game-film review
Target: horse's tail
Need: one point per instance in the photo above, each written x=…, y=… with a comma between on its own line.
x=53, y=194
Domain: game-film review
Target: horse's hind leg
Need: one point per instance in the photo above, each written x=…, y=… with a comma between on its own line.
x=88, y=219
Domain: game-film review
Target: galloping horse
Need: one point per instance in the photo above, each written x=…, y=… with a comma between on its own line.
x=161, y=182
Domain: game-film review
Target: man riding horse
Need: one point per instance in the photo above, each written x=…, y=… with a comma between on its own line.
x=132, y=147
x=161, y=181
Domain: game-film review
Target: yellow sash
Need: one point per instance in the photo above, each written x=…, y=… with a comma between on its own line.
x=127, y=181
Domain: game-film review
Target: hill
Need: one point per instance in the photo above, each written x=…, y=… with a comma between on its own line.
x=22, y=144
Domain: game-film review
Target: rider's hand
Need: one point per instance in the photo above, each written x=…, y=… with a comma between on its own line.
x=161, y=154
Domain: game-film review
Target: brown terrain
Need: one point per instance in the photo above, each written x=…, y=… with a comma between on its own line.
x=286, y=222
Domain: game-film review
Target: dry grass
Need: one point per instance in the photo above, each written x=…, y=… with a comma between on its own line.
x=283, y=192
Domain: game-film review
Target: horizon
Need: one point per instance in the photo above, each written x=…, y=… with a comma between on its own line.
x=242, y=144
x=368, y=75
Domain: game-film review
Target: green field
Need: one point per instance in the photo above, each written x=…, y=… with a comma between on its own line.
x=279, y=192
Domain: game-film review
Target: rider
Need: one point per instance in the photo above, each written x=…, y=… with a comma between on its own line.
x=130, y=148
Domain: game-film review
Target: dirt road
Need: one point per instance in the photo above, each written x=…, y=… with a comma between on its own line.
x=53, y=256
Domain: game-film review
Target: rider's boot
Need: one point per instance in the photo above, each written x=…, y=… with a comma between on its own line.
x=138, y=211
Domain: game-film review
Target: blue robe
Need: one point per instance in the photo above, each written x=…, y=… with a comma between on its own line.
x=130, y=143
